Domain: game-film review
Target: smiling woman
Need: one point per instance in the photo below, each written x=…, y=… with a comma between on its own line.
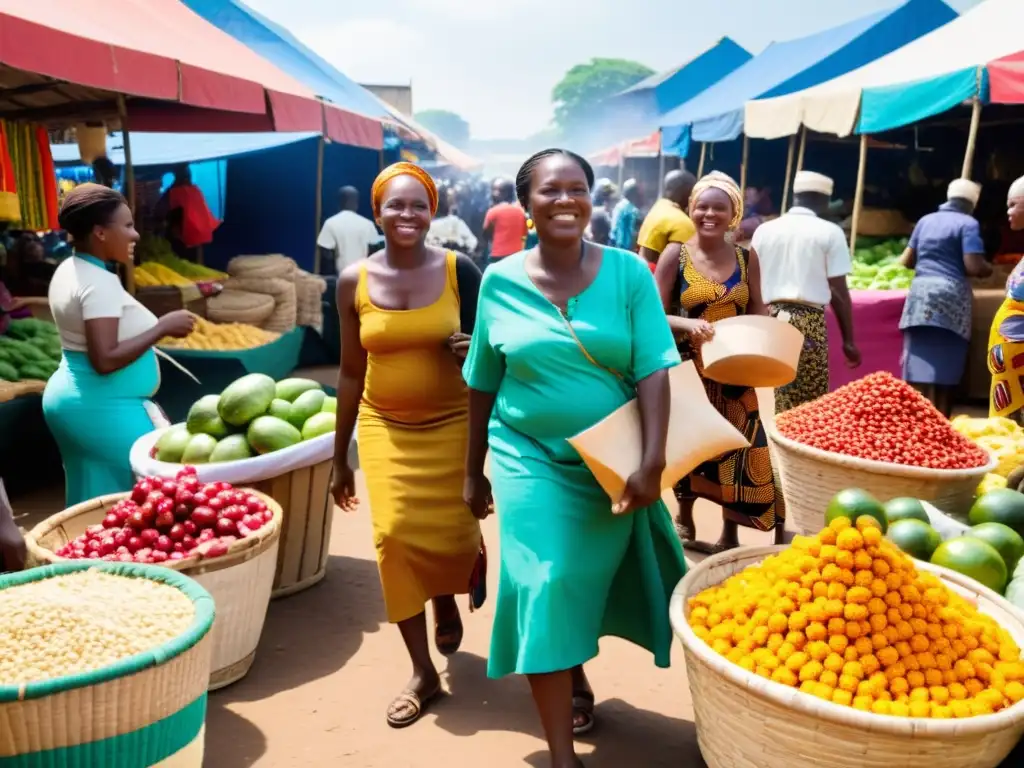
x=403, y=338
x=568, y=332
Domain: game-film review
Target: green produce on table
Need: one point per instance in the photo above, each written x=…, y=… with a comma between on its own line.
x=30, y=349
x=246, y=420
x=916, y=538
x=974, y=558
x=1001, y=505
x=878, y=269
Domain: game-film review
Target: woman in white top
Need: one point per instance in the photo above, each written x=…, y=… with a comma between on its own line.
x=96, y=403
x=449, y=232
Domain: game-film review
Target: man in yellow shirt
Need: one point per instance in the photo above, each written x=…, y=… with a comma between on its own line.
x=667, y=221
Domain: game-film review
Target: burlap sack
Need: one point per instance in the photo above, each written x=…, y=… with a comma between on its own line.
x=309, y=294
x=270, y=265
x=233, y=306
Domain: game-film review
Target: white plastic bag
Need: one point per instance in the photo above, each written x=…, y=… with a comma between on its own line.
x=946, y=526
x=304, y=454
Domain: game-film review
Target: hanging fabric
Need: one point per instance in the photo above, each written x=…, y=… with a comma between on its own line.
x=29, y=148
x=10, y=210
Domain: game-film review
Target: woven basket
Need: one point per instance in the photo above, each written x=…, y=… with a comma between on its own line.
x=233, y=306
x=146, y=710
x=283, y=318
x=239, y=581
x=305, y=497
x=272, y=265
x=811, y=477
x=745, y=721
x=309, y=296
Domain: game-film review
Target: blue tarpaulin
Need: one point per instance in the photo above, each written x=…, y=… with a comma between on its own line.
x=638, y=110
x=717, y=113
x=279, y=46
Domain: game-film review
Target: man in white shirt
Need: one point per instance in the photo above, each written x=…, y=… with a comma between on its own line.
x=346, y=237
x=804, y=261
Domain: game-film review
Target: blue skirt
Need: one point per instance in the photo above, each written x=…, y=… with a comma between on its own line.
x=934, y=356
x=95, y=420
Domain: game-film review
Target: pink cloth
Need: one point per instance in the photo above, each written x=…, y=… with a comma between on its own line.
x=876, y=329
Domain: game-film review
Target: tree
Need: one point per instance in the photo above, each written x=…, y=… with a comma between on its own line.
x=448, y=125
x=586, y=85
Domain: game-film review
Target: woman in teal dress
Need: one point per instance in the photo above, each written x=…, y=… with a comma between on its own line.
x=96, y=404
x=572, y=568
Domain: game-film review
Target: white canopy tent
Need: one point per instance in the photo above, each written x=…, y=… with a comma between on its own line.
x=927, y=76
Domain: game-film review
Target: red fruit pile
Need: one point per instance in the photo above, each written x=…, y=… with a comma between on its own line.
x=881, y=418
x=171, y=520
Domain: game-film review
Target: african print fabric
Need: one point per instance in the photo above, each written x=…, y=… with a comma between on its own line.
x=811, y=380
x=742, y=481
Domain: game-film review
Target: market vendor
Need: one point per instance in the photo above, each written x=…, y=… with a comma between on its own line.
x=945, y=250
x=190, y=225
x=97, y=403
x=804, y=262
x=1006, y=338
x=668, y=221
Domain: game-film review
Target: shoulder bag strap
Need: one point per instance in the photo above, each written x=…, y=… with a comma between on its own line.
x=586, y=354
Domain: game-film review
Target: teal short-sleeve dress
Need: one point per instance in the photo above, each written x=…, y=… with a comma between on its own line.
x=570, y=571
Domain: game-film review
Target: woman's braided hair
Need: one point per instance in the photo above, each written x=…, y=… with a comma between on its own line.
x=525, y=175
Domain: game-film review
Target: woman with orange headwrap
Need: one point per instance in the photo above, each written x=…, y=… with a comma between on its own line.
x=703, y=281
x=406, y=314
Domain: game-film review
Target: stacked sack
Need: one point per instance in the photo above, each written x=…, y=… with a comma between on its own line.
x=309, y=292
x=271, y=275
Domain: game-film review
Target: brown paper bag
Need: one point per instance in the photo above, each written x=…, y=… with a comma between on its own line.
x=612, y=448
x=752, y=351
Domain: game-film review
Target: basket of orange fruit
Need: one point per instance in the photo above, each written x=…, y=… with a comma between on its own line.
x=841, y=651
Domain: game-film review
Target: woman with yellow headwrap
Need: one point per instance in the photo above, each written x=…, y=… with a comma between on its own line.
x=407, y=313
x=702, y=281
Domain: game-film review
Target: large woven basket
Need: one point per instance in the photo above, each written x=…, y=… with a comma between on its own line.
x=811, y=477
x=309, y=297
x=233, y=306
x=239, y=581
x=263, y=266
x=282, y=290
x=745, y=721
x=146, y=710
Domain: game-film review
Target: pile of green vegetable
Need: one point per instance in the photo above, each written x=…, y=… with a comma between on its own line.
x=254, y=415
x=29, y=350
x=877, y=267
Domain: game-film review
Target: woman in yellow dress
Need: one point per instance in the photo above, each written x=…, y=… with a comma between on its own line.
x=403, y=312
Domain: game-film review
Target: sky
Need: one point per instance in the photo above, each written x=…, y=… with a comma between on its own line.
x=494, y=62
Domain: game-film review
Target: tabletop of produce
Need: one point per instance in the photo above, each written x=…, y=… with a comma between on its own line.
x=877, y=268
x=222, y=337
x=29, y=350
x=253, y=415
x=846, y=616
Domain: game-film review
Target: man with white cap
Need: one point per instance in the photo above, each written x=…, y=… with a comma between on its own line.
x=804, y=262
x=945, y=250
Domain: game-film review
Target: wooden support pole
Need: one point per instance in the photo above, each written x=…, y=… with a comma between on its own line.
x=858, y=196
x=661, y=172
x=743, y=164
x=803, y=146
x=318, y=204
x=703, y=157
x=789, y=173
x=129, y=182
x=972, y=139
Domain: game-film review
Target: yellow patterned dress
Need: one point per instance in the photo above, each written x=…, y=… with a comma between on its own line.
x=412, y=431
x=742, y=481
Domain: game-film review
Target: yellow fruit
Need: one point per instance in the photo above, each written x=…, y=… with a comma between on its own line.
x=846, y=617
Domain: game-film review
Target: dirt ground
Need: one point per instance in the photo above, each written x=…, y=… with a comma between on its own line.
x=328, y=664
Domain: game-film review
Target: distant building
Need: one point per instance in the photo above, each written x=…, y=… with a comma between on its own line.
x=397, y=96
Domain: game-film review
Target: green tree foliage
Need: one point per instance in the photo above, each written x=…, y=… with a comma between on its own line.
x=587, y=85
x=448, y=125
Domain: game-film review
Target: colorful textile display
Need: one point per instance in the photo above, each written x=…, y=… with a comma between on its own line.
x=29, y=148
x=10, y=210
